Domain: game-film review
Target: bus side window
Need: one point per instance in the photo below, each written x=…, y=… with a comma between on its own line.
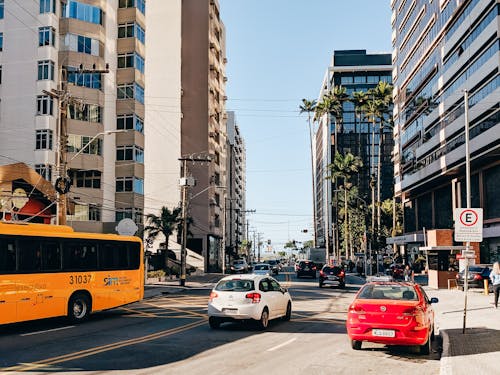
x=7, y=255
x=113, y=256
x=134, y=250
x=80, y=255
x=30, y=256
x=51, y=256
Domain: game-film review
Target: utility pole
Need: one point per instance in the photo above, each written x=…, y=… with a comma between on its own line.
x=185, y=183
x=64, y=97
x=468, y=198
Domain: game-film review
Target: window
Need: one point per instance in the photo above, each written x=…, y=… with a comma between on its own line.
x=44, y=170
x=7, y=255
x=90, y=80
x=46, y=70
x=131, y=91
x=85, y=213
x=43, y=139
x=2, y=8
x=44, y=105
x=85, y=112
x=78, y=142
x=0, y=74
x=130, y=184
x=86, y=179
x=46, y=6
x=1, y=41
x=139, y=4
x=82, y=12
x=80, y=43
x=129, y=213
x=79, y=255
x=46, y=36
x=135, y=153
x=130, y=30
x=360, y=79
x=131, y=60
x=129, y=122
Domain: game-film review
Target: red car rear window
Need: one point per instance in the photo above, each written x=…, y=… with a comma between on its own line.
x=392, y=292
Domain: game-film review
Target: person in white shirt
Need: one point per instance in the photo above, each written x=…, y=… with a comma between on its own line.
x=495, y=281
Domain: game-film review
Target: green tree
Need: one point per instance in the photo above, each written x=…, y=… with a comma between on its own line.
x=309, y=107
x=383, y=93
x=344, y=167
x=332, y=104
x=308, y=244
x=165, y=223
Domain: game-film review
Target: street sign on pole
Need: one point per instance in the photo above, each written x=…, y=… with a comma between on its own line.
x=468, y=224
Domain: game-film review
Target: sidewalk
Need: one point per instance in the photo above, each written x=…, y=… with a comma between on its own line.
x=154, y=287
x=477, y=351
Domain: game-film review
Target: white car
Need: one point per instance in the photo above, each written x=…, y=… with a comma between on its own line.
x=248, y=297
x=262, y=269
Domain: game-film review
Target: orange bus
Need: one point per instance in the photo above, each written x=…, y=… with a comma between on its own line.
x=51, y=270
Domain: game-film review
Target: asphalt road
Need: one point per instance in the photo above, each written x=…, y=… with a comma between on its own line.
x=169, y=334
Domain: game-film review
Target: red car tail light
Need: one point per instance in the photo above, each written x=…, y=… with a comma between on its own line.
x=212, y=296
x=255, y=297
x=457, y=276
x=321, y=273
x=314, y=268
x=356, y=309
x=477, y=277
x=341, y=274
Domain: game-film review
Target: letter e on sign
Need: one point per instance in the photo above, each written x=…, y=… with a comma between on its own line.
x=468, y=224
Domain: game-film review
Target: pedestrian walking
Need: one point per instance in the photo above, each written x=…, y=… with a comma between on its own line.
x=495, y=281
x=408, y=273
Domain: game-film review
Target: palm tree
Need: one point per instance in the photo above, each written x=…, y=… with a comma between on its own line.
x=165, y=224
x=359, y=100
x=309, y=106
x=373, y=112
x=383, y=92
x=344, y=167
x=332, y=104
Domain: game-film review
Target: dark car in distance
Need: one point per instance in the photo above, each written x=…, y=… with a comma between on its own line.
x=239, y=266
x=274, y=265
x=306, y=268
x=477, y=274
x=332, y=275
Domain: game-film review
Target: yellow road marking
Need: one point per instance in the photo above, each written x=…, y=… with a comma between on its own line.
x=103, y=348
x=178, y=310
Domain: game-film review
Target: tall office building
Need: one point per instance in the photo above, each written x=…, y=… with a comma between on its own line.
x=442, y=48
x=49, y=45
x=235, y=205
x=355, y=70
x=185, y=106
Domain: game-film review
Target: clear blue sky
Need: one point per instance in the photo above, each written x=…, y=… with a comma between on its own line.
x=278, y=52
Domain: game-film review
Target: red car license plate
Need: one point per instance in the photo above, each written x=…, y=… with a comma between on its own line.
x=384, y=333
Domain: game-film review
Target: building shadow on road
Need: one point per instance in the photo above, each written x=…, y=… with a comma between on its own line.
x=475, y=341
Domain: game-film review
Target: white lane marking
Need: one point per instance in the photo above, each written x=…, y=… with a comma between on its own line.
x=282, y=344
x=48, y=330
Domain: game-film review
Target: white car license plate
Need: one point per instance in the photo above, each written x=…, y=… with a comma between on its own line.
x=384, y=332
x=230, y=311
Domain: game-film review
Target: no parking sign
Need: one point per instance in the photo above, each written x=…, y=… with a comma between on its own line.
x=468, y=224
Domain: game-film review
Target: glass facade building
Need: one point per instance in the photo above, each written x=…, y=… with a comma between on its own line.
x=356, y=70
x=440, y=50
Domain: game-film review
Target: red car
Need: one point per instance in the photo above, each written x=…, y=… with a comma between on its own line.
x=391, y=313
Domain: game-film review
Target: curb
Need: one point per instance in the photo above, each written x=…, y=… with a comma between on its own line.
x=445, y=364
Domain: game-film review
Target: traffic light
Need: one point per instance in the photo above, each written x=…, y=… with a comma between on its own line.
x=269, y=242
